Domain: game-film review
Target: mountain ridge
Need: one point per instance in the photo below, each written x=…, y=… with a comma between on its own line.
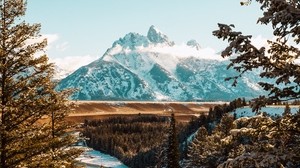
x=153, y=68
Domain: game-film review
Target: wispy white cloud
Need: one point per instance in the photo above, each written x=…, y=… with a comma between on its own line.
x=51, y=38
x=67, y=63
x=71, y=63
x=63, y=46
x=260, y=41
x=184, y=51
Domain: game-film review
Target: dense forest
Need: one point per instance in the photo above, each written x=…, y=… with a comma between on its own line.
x=258, y=141
x=138, y=140
x=214, y=140
x=135, y=140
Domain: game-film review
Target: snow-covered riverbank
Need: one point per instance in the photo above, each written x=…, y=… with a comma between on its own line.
x=92, y=159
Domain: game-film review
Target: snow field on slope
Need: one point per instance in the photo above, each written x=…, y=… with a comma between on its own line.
x=93, y=159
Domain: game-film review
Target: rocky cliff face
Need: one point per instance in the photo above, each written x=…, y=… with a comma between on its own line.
x=152, y=67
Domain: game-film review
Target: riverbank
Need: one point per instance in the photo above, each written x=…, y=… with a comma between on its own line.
x=95, y=159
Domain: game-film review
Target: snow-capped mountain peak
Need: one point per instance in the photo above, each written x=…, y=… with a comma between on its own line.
x=152, y=67
x=132, y=40
x=60, y=73
x=157, y=37
x=194, y=44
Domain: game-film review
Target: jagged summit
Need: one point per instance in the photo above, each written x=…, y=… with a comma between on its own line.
x=153, y=68
x=132, y=40
x=194, y=43
x=156, y=36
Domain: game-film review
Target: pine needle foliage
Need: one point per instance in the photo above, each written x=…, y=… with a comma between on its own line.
x=173, y=145
x=276, y=63
x=32, y=128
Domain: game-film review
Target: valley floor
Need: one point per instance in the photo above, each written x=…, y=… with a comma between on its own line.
x=184, y=111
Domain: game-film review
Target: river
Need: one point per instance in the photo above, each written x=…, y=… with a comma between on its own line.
x=94, y=159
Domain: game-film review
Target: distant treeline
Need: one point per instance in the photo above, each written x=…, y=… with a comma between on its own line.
x=136, y=140
x=290, y=102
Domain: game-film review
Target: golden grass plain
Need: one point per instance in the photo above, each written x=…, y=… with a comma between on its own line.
x=91, y=110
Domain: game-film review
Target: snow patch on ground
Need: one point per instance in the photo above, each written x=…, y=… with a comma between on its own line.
x=273, y=111
x=192, y=137
x=93, y=159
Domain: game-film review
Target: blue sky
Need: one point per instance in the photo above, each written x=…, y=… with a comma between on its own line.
x=82, y=30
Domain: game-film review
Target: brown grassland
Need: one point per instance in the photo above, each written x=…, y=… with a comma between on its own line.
x=184, y=111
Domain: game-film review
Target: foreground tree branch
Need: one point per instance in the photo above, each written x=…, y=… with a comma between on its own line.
x=32, y=128
x=279, y=71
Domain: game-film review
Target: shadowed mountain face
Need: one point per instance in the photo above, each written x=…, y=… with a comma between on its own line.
x=152, y=67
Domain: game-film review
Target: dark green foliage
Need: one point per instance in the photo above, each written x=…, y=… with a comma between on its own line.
x=277, y=64
x=134, y=140
x=196, y=148
x=208, y=122
x=287, y=110
x=258, y=141
x=295, y=102
x=142, y=140
x=214, y=115
x=33, y=130
x=172, y=148
x=207, y=150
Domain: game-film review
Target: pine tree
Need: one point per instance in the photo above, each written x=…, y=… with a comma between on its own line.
x=211, y=150
x=265, y=142
x=244, y=102
x=172, y=149
x=287, y=110
x=276, y=63
x=197, y=148
x=32, y=128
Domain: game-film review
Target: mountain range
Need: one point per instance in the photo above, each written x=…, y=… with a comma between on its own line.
x=154, y=68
